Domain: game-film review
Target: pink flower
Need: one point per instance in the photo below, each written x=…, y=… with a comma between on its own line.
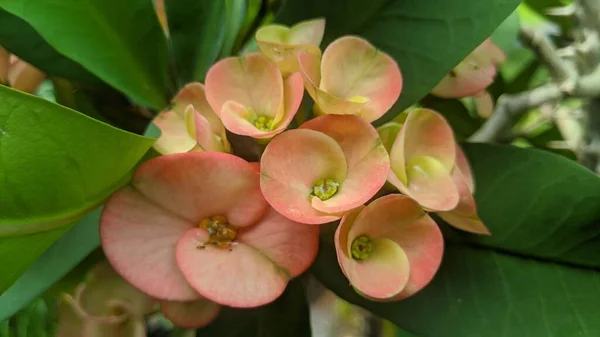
x=195, y=225
x=464, y=215
x=191, y=124
x=422, y=158
x=281, y=44
x=389, y=249
x=470, y=77
x=19, y=74
x=105, y=305
x=251, y=97
x=328, y=166
x=352, y=78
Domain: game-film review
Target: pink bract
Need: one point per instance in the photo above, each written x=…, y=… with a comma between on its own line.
x=475, y=73
x=389, y=249
x=464, y=216
x=352, y=78
x=251, y=97
x=328, y=166
x=155, y=232
x=191, y=124
x=281, y=43
x=422, y=159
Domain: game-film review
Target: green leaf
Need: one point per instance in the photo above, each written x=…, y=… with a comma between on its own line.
x=55, y=166
x=121, y=42
x=236, y=13
x=52, y=265
x=288, y=316
x=537, y=275
x=56, y=163
x=541, y=7
x=197, y=30
x=18, y=37
x=506, y=35
x=426, y=38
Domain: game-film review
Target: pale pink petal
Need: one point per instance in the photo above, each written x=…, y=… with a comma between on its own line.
x=427, y=133
x=422, y=159
x=351, y=67
x=139, y=238
x=103, y=285
x=198, y=126
x=292, y=164
x=293, y=89
x=400, y=219
x=240, y=277
x=4, y=65
x=384, y=274
x=195, y=314
x=25, y=77
x=194, y=94
x=290, y=245
x=367, y=160
x=253, y=81
x=198, y=185
x=484, y=103
x=467, y=79
x=464, y=216
x=174, y=136
x=463, y=167
x=310, y=68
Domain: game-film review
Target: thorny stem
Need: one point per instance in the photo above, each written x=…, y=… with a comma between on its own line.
x=575, y=74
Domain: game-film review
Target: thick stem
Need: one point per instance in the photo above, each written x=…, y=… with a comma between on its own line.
x=510, y=107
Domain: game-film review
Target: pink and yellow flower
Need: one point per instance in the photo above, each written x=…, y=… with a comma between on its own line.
x=195, y=225
x=464, y=215
x=328, y=166
x=105, y=305
x=422, y=160
x=19, y=74
x=251, y=97
x=389, y=249
x=281, y=43
x=475, y=73
x=352, y=78
x=191, y=124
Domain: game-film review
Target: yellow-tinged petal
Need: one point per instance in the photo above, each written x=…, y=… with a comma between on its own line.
x=174, y=137
x=352, y=69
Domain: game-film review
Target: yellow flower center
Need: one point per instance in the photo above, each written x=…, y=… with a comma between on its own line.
x=362, y=247
x=220, y=233
x=263, y=123
x=325, y=188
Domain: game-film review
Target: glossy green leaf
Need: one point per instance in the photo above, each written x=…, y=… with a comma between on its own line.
x=287, y=316
x=537, y=275
x=52, y=265
x=427, y=38
x=121, y=42
x=55, y=166
x=197, y=30
x=18, y=37
x=56, y=163
x=506, y=35
x=236, y=12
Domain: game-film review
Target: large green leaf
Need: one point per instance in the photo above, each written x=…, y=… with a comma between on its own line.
x=121, y=42
x=427, y=38
x=18, y=37
x=538, y=273
x=55, y=165
x=287, y=316
x=52, y=265
x=197, y=30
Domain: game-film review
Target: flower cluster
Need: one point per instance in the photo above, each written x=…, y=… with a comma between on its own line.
x=200, y=227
